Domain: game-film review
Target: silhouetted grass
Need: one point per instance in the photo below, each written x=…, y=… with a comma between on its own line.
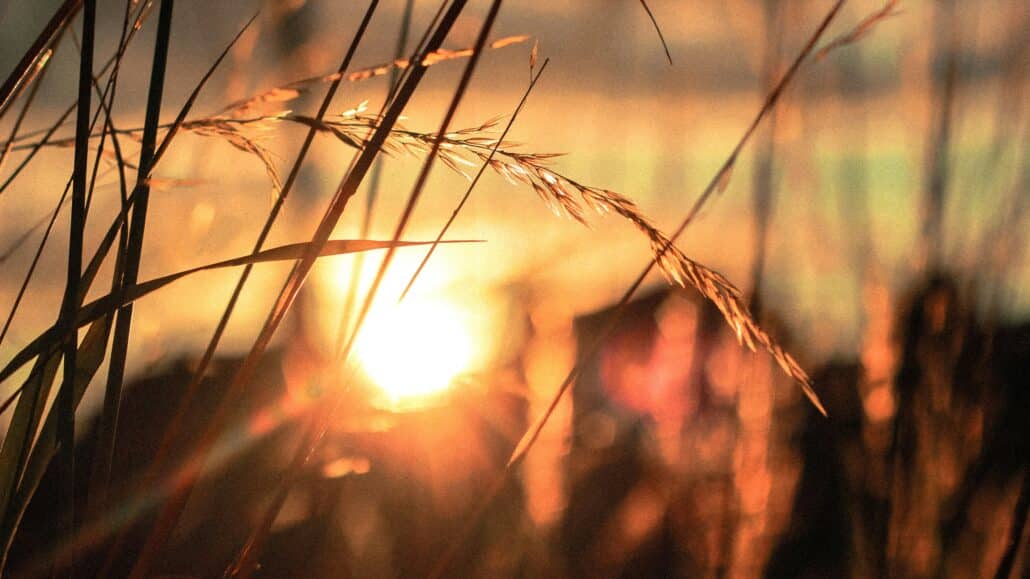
x=42, y=437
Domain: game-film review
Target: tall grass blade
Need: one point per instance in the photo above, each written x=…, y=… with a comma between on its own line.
x=22, y=74
x=107, y=423
x=35, y=263
x=134, y=246
x=65, y=403
x=862, y=29
x=373, y=186
x=23, y=426
x=658, y=29
x=39, y=72
x=106, y=305
x=53, y=128
x=90, y=356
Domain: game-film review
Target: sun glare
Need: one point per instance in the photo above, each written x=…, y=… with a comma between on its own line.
x=414, y=350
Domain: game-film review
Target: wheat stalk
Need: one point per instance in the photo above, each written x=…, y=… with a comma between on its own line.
x=467, y=148
x=570, y=198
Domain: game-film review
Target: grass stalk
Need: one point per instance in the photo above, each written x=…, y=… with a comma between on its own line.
x=35, y=262
x=40, y=73
x=134, y=245
x=657, y=29
x=65, y=403
x=374, y=181
x=473, y=183
x=23, y=71
x=141, y=15
x=713, y=186
x=108, y=420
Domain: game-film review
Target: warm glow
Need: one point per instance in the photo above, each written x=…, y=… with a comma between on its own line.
x=415, y=350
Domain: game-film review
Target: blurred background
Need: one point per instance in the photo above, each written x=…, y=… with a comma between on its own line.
x=876, y=223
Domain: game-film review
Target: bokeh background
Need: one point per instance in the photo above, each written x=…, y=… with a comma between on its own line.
x=877, y=222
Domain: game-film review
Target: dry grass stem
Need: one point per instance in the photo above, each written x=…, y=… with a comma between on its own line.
x=469, y=147
x=290, y=91
x=862, y=29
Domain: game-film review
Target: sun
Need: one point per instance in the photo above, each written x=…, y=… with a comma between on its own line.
x=415, y=350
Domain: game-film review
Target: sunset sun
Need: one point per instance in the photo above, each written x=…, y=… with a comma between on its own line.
x=414, y=350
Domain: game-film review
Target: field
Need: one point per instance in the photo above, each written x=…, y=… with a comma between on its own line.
x=295, y=288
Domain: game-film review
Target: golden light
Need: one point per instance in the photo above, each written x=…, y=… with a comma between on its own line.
x=415, y=350
x=411, y=353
